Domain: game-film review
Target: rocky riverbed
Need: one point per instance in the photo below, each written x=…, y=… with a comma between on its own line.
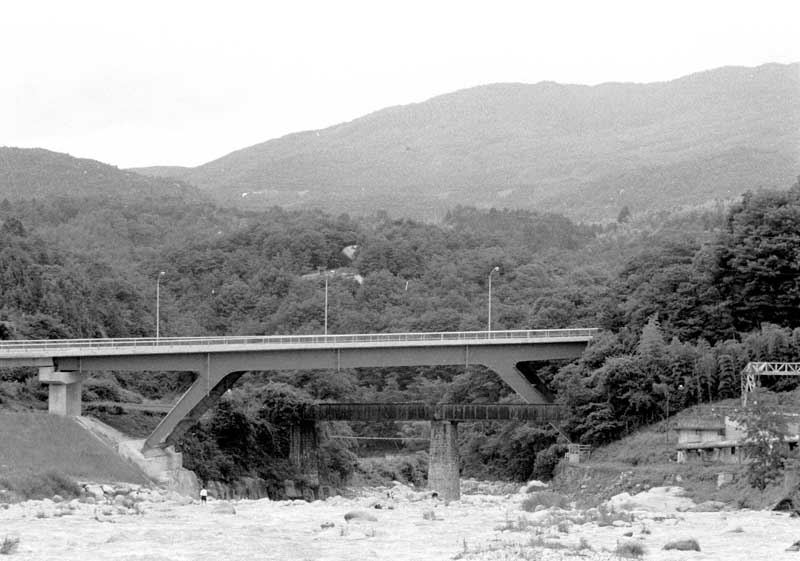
x=394, y=523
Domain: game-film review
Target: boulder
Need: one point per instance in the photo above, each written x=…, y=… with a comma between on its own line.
x=360, y=515
x=708, y=506
x=290, y=490
x=532, y=486
x=786, y=504
x=95, y=491
x=657, y=499
x=689, y=544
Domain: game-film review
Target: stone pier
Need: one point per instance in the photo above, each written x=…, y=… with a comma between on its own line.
x=65, y=391
x=444, y=461
x=303, y=450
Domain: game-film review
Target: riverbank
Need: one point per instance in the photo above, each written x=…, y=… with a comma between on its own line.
x=393, y=523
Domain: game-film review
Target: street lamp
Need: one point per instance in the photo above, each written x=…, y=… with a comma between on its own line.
x=489, y=323
x=326, y=299
x=680, y=389
x=158, y=301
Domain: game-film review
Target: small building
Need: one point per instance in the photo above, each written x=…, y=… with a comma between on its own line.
x=707, y=439
x=720, y=439
x=577, y=453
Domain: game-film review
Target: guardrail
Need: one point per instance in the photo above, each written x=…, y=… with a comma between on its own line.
x=452, y=336
x=375, y=412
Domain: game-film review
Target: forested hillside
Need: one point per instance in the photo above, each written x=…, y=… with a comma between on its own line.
x=583, y=151
x=35, y=173
x=684, y=300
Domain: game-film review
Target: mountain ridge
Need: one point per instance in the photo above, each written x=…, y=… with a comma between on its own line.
x=585, y=151
x=29, y=173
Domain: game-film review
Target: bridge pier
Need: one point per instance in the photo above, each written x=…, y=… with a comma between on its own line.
x=64, y=392
x=303, y=450
x=444, y=461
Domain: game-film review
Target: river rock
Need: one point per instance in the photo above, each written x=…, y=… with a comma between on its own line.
x=95, y=491
x=683, y=545
x=360, y=515
x=708, y=506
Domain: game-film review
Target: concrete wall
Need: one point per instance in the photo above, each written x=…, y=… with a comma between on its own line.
x=64, y=391
x=444, y=461
x=303, y=451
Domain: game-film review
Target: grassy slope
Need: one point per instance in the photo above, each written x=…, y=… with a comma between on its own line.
x=36, y=443
x=646, y=459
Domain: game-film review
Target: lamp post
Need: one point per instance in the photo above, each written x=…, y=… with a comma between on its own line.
x=680, y=389
x=489, y=322
x=667, y=419
x=325, y=273
x=158, y=302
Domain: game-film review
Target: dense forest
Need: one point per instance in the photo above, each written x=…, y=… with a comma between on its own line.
x=684, y=300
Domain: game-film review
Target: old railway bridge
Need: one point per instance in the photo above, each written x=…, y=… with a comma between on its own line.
x=218, y=362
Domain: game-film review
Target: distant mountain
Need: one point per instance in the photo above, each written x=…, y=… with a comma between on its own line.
x=584, y=151
x=27, y=173
x=162, y=171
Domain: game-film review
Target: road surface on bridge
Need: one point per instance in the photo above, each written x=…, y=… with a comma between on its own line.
x=14, y=353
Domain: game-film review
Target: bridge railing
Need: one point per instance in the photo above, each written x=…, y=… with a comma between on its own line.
x=448, y=336
x=374, y=412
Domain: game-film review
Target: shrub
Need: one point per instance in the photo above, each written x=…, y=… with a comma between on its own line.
x=583, y=544
x=630, y=549
x=107, y=389
x=546, y=461
x=9, y=545
x=411, y=469
x=41, y=485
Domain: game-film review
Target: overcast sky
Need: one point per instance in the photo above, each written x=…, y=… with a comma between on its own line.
x=181, y=83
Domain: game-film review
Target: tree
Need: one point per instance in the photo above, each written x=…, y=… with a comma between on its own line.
x=758, y=259
x=766, y=430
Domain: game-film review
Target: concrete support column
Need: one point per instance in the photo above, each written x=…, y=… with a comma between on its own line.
x=65, y=391
x=303, y=450
x=444, y=461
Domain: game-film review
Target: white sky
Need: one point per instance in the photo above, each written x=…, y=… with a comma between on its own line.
x=165, y=82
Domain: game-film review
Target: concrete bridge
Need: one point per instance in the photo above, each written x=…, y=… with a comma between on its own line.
x=219, y=362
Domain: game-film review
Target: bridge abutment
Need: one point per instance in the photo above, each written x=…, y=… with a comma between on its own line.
x=444, y=461
x=303, y=450
x=64, y=391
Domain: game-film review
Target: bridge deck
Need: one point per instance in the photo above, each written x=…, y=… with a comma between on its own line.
x=182, y=345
